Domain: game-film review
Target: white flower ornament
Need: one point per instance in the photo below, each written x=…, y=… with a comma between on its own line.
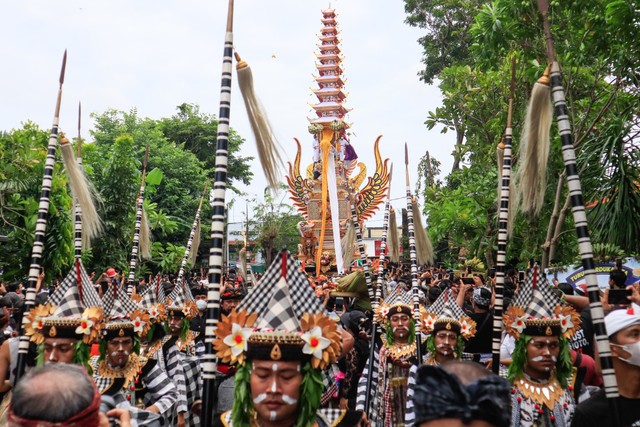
x=315, y=343
x=565, y=323
x=237, y=339
x=518, y=324
x=138, y=325
x=84, y=327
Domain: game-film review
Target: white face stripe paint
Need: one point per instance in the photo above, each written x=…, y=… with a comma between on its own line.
x=541, y=358
x=274, y=367
x=272, y=415
x=260, y=398
x=273, y=386
x=289, y=400
x=51, y=355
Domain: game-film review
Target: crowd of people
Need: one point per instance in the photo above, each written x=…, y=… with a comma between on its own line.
x=297, y=350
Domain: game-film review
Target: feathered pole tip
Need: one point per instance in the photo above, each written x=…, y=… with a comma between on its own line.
x=534, y=148
x=265, y=139
x=81, y=190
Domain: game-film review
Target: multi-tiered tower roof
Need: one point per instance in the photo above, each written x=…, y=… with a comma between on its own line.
x=329, y=79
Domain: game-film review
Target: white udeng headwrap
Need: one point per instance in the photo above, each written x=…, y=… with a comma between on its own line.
x=618, y=320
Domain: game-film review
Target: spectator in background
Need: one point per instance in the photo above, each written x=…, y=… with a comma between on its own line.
x=37, y=399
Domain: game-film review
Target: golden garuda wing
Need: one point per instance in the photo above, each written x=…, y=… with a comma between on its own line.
x=372, y=195
x=298, y=186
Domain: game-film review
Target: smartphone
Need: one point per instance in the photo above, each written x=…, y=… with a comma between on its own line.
x=619, y=297
x=491, y=273
x=339, y=302
x=521, y=276
x=468, y=280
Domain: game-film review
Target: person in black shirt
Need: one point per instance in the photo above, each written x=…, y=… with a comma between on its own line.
x=481, y=314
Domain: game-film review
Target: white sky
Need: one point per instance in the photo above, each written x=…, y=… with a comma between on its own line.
x=155, y=54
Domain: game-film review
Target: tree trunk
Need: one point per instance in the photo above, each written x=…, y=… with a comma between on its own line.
x=458, y=147
x=552, y=223
x=558, y=229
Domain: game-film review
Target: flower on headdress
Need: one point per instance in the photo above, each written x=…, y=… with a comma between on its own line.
x=380, y=313
x=36, y=317
x=467, y=327
x=232, y=334
x=514, y=321
x=90, y=324
x=569, y=320
x=157, y=313
x=140, y=320
x=237, y=339
x=322, y=339
x=314, y=342
x=427, y=322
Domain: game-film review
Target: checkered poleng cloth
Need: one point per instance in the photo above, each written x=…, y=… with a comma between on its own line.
x=153, y=295
x=180, y=294
x=192, y=376
x=67, y=297
x=536, y=296
x=446, y=305
x=301, y=295
x=116, y=303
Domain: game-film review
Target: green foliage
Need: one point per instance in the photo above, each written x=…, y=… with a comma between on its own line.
x=242, y=405
x=22, y=158
x=273, y=224
x=310, y=394
x=596, y=44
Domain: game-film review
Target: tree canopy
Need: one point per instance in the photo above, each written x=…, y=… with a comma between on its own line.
x=468, y=49
x=181, y=158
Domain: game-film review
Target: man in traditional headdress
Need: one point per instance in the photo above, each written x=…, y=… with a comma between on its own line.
x=69, y=323
x=459, y=394
x=134, y=381
x=392, y=363
x=281, y=338
x=623, y=328
x=447, y=327
x=541, y=369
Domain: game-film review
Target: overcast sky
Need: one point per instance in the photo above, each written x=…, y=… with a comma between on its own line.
x=156, y=54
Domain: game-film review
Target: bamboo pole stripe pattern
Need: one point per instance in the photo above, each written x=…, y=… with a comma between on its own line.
x=501, y=258
x=187, y=251
x=363, y=255
x=136, y=239
x=383, y=248
x=41, y=228
x=210, y=360
x=192, y=236
x=414, y=271
x=584, y=241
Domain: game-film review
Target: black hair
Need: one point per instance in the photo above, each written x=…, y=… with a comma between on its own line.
x=619, y=278
x=566, y=288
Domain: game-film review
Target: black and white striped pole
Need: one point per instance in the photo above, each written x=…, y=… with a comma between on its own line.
x=41, y=227
x=414, y=258
x=135, y=249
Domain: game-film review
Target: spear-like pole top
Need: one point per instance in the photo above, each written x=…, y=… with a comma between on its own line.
x=230, y=17
x=64, y=67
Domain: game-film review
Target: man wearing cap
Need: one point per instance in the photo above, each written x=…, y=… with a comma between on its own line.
x=541, y=371
x=134, y=381
x=392, y=362
x=480, y=313
x=623, y=328
x=281, y=338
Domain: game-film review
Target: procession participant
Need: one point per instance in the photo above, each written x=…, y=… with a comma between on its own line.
x=541, y=369
x=447, y=328
x=135, y=382
x=157, y=346
x=281, y=338
x=458, y=394
x=394, y=357
x=623, y=328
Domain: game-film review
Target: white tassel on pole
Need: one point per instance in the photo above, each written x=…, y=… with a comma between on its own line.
x=348, y=242
x=265, y=139
x=195, y=245
x=82, y=191
x=534, y=148
x=424, y=249
x=393, y=241
x=145, y=237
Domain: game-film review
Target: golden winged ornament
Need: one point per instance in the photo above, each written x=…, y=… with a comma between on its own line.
x=370, y=197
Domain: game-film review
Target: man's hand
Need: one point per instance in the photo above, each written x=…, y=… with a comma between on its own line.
x=152, y=408
x=364, y=421
x=122, y=415
x=181, y=422
x=344, y=403
x=196, y=407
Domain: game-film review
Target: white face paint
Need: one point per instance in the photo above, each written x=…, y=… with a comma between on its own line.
x=117, y=353
x=445, y=349
x=289, y=400
x=272, y=415
x=542, y=358
x=260, y=398
x=273, y=386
